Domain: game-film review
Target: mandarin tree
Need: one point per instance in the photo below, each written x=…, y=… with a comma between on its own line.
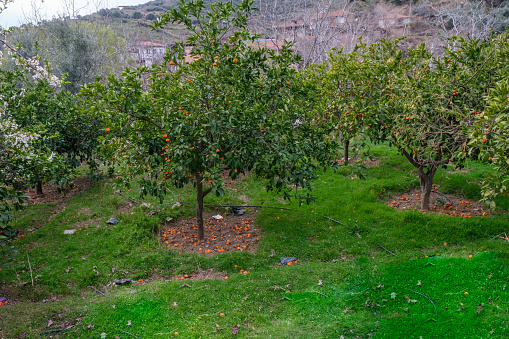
x=229, y=111
x=356, y=89
x=33, y=98
x=490, y=136
x=436, y=103
x=491, y=128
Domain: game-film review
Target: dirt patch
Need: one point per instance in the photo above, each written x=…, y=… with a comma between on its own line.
x=367, y=162
x=126, y=207
x=453, y=169
x=447, y=205
x=244, y=198
x=52, y=195
x=85, y=211
x=209, y=274
x=93, y=222
x=231, y=233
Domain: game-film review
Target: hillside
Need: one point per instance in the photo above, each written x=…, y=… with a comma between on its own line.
x=420, y=21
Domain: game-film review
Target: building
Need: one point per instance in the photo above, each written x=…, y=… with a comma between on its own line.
x=335, y=19
x=147, y=53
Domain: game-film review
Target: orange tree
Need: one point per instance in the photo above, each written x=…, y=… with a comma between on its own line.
x=435, y=104
x=356, y=87
x=32, y=98
x=490, y=135
x=231, y=110
x=491, y=128
x=422, y=105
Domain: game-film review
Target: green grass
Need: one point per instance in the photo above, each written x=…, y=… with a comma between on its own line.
x=272, y=300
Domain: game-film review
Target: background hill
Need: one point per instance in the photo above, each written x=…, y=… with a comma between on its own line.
x=109, y=40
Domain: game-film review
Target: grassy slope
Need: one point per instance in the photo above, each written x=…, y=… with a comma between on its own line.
x=271, y=300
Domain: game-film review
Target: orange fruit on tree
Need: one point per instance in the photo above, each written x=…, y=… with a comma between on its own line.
x=484, y=140
x=172, y=63
x=108, y=129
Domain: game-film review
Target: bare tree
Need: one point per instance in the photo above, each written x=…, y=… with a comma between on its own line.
x=314, y=27
x=466, y=18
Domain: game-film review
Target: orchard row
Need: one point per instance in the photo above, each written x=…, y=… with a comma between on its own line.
x=240, y=108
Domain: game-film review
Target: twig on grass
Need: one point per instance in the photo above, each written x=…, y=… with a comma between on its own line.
x=325, y=295
x=132, y=335
x=506, y=238
x=30, y=266
x=95, y=289
x=58, y=330
x=425, y=296
x=131, y=200
x=387, y=250
x=243, y=206
x=326, y=217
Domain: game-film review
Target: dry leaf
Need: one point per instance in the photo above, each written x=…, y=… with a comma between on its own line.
x=273, y=253
x=480, y=308
x=320, y=283
x=50, y=322
x=175, y=304
x=419, y=283
x=217, y=329
x=236, y=329
x=129, y=323
x=247, y=296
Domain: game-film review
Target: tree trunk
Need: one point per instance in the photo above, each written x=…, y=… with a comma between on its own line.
x=426, y=181
x=426, y=186
x=347, y=144
x=200, y=194
x=199, y=205
x=38, y=187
